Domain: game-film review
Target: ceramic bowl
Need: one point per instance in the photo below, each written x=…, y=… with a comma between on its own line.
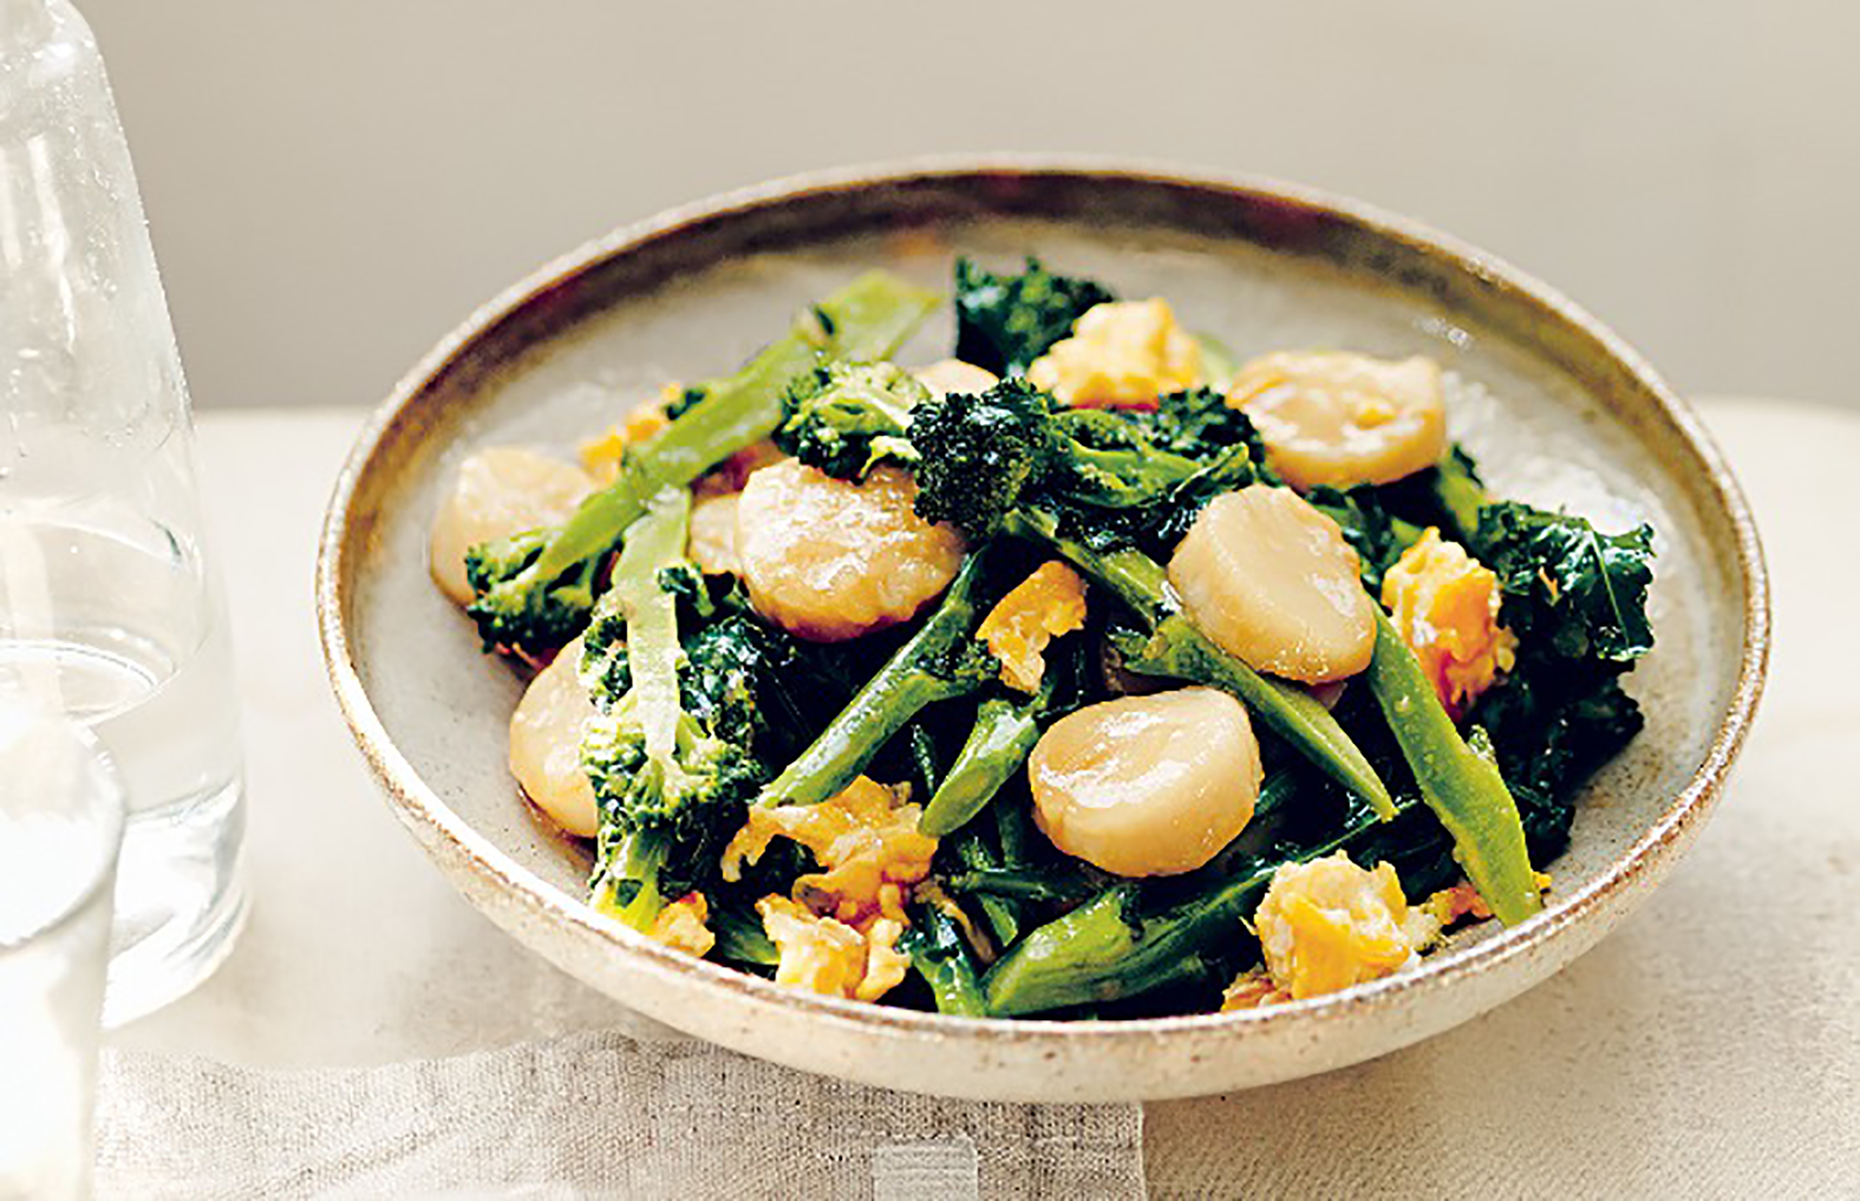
x=1557, y=409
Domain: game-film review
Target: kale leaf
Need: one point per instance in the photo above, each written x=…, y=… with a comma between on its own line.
x=1005, y=322
x=1577, y=600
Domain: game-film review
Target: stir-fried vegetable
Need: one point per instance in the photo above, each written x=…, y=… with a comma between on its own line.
x=1020, y=683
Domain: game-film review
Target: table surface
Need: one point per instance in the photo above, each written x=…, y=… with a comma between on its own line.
x=1711, y=1043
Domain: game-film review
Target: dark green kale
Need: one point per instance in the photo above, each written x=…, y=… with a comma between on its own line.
x=1201, y=424
x=1377, y=538
x=1577, y=600
x=1005, y=322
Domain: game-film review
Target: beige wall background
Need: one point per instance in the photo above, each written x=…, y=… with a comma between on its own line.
x=332, y=185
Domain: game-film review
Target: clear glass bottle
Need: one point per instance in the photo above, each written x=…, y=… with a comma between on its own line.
x=110, y=609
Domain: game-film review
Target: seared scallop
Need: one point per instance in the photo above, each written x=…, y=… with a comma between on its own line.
x=712, y=544
x=545, y=744
x=1344, y=419
x=828, y=559
x=500, y=491
x=1271, y=580
x=1147, y=785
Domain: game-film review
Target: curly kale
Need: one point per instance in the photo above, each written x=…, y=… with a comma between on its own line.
x=1201, y=424
x=1005, y=322
x=1577, y=601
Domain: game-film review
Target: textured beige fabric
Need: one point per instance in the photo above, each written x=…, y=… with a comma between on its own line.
x=586, y=1115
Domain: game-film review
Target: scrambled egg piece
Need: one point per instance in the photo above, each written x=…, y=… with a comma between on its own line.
x=1445, y=605
x=601, y=454
x=825, y=955
x=867, y=839
x=1122, y=353
x=1048, y=603
x=682, y=926
x=1329, y=924
x=1252, y=989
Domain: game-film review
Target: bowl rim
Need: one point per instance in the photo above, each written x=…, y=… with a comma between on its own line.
x=428, y=817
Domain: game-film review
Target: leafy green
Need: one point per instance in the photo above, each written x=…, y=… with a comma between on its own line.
x=1577, y=600
x=1005, y=322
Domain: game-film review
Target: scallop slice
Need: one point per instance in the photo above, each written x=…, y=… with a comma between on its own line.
x=1344, y=419
x=1271, y=580
x=830, y=559
x=712, y=545
x=545, y=744
x=500, y=491
x=1147, y=785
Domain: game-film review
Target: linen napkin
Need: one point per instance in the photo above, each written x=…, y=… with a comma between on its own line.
x=586, y=1115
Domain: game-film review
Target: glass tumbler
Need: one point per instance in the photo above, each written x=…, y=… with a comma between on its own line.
x=110, y=610
x=61, y=818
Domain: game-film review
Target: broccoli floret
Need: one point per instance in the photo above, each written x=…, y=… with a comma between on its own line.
x=1113, y=478
x=978, y=453
x=670, y=778
x=844, y=418
x=1005, y=322
x=539, y=616
x=535, y=591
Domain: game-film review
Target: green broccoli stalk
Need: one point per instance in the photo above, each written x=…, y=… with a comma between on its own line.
x=1460, y=783
x=940, y=662
x=1005, y=322
x=667, y=786
x=1004, y=734
x=535, y=591
x=844, y=418
x=1005, y=730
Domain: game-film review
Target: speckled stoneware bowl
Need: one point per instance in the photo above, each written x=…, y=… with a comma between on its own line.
x=1556, y=408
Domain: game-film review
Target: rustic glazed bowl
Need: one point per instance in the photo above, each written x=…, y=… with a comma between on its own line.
x=1557, y=409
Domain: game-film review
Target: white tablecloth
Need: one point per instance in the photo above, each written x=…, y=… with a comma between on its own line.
x=1710, y=1047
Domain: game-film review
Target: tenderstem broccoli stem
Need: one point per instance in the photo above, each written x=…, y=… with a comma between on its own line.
x=998, y=745
x=657, y=541
x=867, y=319
x=1177, y=649
x=1461, y=786
x=908, y=683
